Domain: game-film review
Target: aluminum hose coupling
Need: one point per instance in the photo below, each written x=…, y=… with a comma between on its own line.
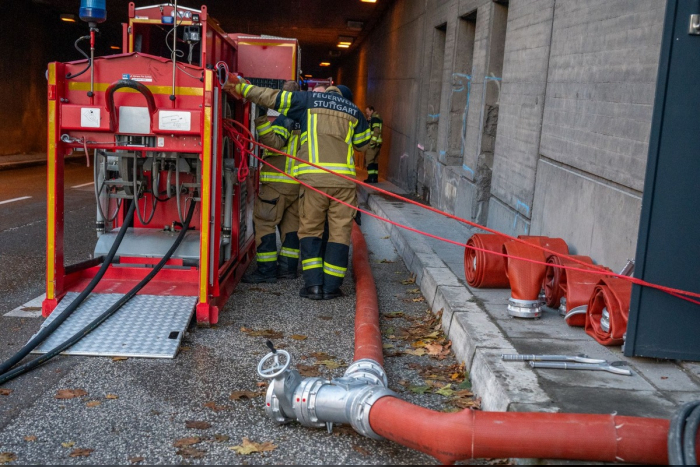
x=317, y=402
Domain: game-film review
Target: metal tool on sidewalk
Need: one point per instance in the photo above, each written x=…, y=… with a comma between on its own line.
x=569, y=362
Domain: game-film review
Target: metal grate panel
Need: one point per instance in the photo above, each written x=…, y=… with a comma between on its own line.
x=147, y=326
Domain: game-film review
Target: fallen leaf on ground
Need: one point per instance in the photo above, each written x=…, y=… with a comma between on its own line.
x=195, y=425
x=417, y=352
x=299, y=337
x=30, y=439
x=214, y=407
x=92, y=404
x=191, y=453
x=419, y=389
x=394, y=314
x=221, y=438
x=360, y=449
x=70, y=393
x=136, y=460
x=433, y=349
x=445, y=391
x=249, y=447
x=184, y=442
x=268, y=333
x=111, y=396
x=409, y=281
x=81, y=452
x=5, y=392
x=119, y=359
x=6, y=457
x=309, y=371
x=69, y=444
x=238, y=395
x=321, y=356
x=330, y=364
x=414, y=291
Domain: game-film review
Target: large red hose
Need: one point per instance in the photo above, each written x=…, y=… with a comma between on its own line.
x=526, y=278
x=473, y=434
x=555, y=277
x=368, y=336
x=484, y=270
x=613, y=295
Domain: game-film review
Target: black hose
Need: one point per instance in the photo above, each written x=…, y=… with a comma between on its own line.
x=51, y=327
x=677, y=452
x=104, y=316
x=690, y=435
x=89, y=64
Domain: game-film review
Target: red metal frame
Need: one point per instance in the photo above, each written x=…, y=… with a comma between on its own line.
x=211, y=281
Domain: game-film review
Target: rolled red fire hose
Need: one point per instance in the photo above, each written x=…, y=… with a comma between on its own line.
x=555, y=277
x=470, y=434
x=481, y=269
x=526, y=278
x=611, y=295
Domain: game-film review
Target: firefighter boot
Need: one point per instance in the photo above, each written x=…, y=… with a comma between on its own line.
x=267, y=262
x=288, y=261
x=312, y=267
x=335, y=266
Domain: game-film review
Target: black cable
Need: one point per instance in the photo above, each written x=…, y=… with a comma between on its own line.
x=104, y=316
x=51, y=327
x=676, y=453
x=89, y=64
x=691, y=434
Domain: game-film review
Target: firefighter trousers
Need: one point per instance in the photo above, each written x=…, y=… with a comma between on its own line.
x=276, y=210
x=327, y=268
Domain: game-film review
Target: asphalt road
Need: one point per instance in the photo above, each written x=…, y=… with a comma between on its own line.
x=135, y=410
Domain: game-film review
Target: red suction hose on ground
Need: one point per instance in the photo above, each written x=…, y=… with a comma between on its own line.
x=451, y=437
x=481, y=269
x=555, y=277
x=611, y=295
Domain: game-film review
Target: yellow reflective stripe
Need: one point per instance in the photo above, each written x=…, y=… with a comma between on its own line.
x=289, y=253
x=362, y=137
x=246, y=89
x=312, y=263
x=267, y=257
x=332, y=270
x=264, y=129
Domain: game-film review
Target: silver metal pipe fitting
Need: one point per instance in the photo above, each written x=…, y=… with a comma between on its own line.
x=530, y=309
x=317, y=402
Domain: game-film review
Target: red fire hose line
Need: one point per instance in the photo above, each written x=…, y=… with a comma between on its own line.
x=473, y=434
x=675, y=292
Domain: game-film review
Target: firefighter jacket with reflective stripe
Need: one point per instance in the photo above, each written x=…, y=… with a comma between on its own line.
x=376, y=124
x=331, y=127
x=283, y=135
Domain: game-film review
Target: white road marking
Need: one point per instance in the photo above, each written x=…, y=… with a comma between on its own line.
x=31, y=309
x=14, y=199
x=83, y=185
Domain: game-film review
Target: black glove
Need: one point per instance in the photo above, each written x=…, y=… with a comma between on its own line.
x=261, y=111
x=358, y=218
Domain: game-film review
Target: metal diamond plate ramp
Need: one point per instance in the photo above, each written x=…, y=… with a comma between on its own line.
x=147, y=326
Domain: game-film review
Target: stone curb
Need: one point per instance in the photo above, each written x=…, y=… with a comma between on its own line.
x=476, y=340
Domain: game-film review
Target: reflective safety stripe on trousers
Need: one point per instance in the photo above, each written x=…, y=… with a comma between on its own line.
x=267, y=257
x=289, y=252
x=333, y=270
x=312, y=263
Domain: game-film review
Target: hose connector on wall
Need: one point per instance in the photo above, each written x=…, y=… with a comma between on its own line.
x=317, y=402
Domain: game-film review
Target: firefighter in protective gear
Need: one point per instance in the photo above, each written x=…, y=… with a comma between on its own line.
x=277, y=204
x=331, y=127
x=375, y=145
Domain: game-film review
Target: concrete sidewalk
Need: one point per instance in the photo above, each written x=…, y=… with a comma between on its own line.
x=481, y=330
x=18, y=161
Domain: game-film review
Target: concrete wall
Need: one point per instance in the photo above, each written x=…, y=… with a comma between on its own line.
x=529, y=116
